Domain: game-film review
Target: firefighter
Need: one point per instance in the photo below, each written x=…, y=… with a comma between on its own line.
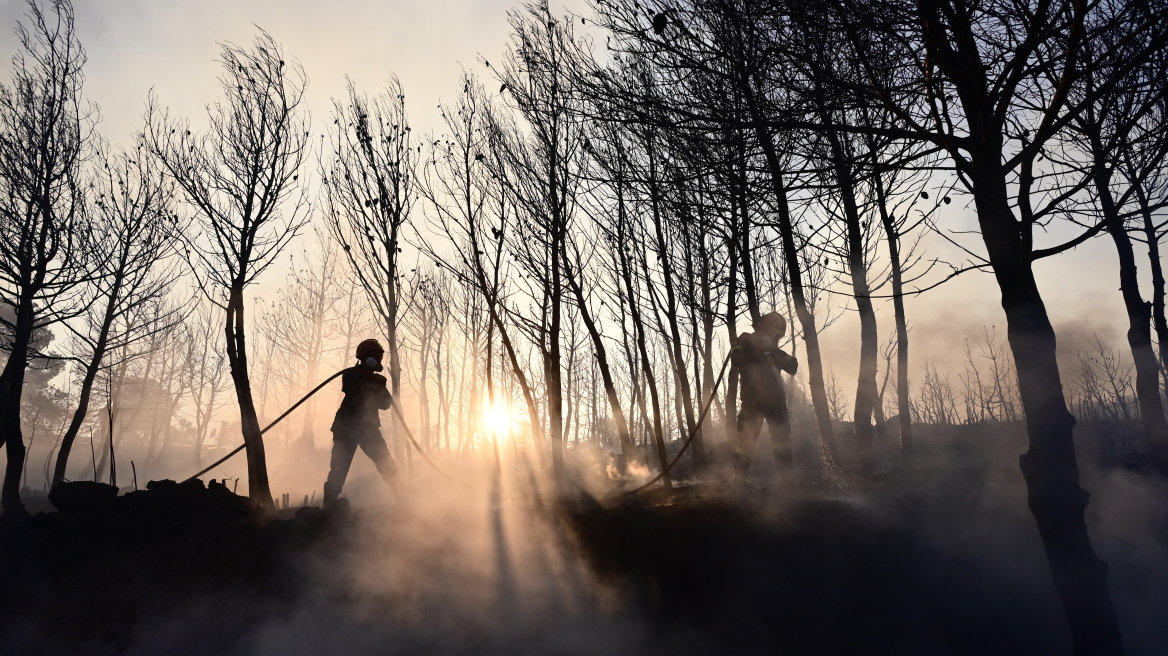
x=759, y=360
x=357, y=423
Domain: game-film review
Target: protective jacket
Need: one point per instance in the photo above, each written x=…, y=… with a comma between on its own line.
x=365, y=394
x=756, y=357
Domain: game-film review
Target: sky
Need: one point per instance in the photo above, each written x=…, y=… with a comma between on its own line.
x=172, y=47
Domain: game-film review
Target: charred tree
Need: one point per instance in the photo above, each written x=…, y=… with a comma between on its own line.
x=544, y=158
x=1101, y=128
x=966, y=100
x=240, y=177
x=135, y=226
x=44, y=135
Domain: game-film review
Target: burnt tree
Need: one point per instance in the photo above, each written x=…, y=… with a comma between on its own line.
x=44, y=135
x=240, y=178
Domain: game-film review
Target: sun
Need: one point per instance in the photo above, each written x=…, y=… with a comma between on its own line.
x=496, y=417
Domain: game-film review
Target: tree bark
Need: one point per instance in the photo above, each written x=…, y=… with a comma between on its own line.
x=677, y=357
x=646, y=366
x=78, y=418
x=651, y=383
x=400, y=448
x=1054, y=495
x=892, y=235
x=113, y=406
x=259, y=489
x=1153, y=238
x=730, y=415
x=707, y=346
x=11, y=389
x=866, y=381
x=91, y=370
x=1139, y=315
x=618, y=415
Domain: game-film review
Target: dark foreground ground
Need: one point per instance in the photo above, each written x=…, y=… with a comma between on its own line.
x=944, y=560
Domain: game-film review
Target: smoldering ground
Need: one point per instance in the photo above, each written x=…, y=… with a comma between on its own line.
x=941, y=559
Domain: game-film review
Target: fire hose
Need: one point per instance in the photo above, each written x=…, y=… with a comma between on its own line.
x=409, y=434
x=269, y=426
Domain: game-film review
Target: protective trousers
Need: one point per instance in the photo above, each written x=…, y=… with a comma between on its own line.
x=750, y=420
x=345, y=445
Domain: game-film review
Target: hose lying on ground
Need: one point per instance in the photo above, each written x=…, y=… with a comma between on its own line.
x=409, y=434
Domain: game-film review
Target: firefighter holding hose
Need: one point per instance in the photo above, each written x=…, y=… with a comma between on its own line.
x=759, y=361
x=357, y=423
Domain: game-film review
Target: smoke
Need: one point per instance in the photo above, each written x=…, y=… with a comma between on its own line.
x=482, y=570
x=943, y=557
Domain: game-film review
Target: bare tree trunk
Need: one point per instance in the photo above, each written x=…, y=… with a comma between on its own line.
x=517, y=370
x=443, y=403
x=11, y=388
x=707, y=342
x=45, y=256
x=1049, y=466
x=892, y=235
x=747, y=256
x=1151, y=235
x=113, y=479
x=1139, y=314
x=423, y=397
x=637, y=399
x=257, y=463
x=490, y=292
x=618, y=415
x=79, y=414
x=91, y=369
x=683, y=397
x=570, y=392
x=155, y=428
x=730, y=416
x=553, y=373
x=113, y=407
x=857, y=267
x=400, y=448
x=646, y=368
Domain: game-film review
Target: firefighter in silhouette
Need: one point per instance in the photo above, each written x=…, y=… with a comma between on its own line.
x=357, y=423
x=759, y=360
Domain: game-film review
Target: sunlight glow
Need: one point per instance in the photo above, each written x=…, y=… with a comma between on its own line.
x=497, y=417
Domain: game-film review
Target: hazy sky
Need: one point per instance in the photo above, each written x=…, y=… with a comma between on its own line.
x=171, y=45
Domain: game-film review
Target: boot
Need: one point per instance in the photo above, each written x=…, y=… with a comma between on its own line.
x=330, y=497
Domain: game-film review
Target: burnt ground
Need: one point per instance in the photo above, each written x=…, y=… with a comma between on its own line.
x=942, y=559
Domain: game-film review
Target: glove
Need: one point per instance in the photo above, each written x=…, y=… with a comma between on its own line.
x=787, y=363
x=379, y=379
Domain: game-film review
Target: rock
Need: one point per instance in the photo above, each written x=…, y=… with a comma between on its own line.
x=167, y=496
x=308, y=513
x=83, y=497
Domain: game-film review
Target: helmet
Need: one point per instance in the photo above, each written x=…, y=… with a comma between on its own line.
x=369, y=348
x=773, y=322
